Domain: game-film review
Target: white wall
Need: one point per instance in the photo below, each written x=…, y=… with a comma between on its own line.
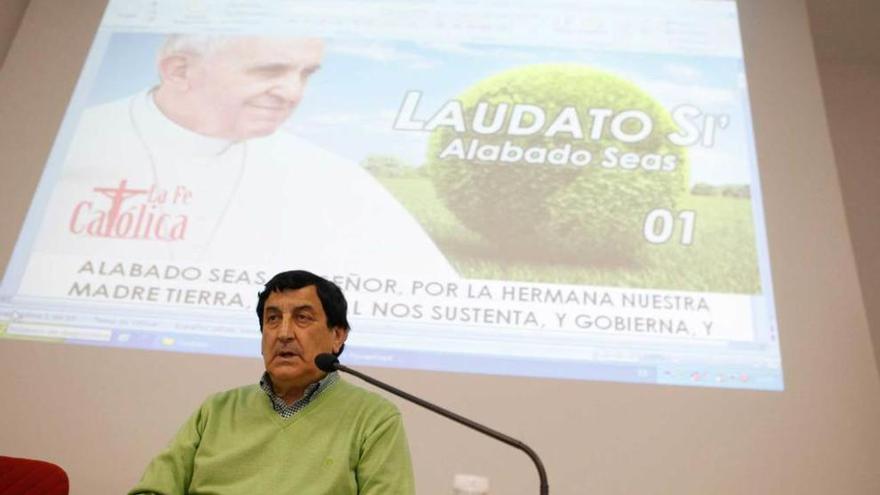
x=852, y=102
x=102, y=414
x=848, y=57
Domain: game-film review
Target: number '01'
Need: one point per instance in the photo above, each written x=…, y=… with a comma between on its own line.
x=660, y=226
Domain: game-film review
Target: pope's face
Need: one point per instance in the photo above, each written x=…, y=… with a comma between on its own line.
x=294, y=332
x=247, y=87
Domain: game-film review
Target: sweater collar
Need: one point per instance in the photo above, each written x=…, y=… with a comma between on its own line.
x=311, y=392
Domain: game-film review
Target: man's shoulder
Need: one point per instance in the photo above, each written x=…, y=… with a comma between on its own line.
x=285, y=141
x=367, y=401
x=113, y=110
x=295, y=151
x=104, y=130
x=235, y=396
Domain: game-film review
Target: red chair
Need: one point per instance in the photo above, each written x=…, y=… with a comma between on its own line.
x=30, y=477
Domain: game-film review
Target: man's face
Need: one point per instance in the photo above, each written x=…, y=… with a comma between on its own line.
x=294, y=332
x=247, y=87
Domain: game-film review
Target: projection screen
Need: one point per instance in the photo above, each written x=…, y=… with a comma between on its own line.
x=556, y=190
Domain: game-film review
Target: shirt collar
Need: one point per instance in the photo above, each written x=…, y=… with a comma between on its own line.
x=166, y=136
x=310, y=393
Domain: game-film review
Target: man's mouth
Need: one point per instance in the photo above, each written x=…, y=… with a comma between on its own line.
x=271, y=108
x=286, y=354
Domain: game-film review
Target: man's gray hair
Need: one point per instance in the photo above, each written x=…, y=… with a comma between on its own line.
x=192, y=44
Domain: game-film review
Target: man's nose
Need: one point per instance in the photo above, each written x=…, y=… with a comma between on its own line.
x=285, y=331
x=289, y=88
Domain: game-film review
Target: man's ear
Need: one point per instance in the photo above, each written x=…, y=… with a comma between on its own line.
x=339, y=336
x=175, y=71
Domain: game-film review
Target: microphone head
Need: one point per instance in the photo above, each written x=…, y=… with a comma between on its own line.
x=326, y=362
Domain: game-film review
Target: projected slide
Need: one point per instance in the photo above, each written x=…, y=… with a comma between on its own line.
x=498, y=187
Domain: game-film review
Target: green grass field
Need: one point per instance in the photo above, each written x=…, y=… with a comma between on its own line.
x=722, y=257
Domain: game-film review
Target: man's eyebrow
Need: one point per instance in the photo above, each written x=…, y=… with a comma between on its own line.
x=303, y=307
x=271, y=66
x=298, y=307
x=281, y=67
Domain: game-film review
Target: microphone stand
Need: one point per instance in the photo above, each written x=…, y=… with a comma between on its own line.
x=542, y=474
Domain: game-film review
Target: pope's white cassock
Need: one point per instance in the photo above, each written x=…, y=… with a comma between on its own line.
x=136, y=187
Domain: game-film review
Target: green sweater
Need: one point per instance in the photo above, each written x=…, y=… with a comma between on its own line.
x=346, y=441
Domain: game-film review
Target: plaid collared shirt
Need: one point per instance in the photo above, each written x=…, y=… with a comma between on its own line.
x=312, y=391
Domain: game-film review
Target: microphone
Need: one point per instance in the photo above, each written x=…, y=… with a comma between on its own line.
x=329, y=362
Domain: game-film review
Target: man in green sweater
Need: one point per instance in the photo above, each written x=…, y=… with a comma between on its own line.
x=300, y=431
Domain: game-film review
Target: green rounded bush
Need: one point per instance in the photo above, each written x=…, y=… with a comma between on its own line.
x=549, y=213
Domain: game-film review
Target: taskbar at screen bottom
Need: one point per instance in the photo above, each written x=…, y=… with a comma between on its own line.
x=691, y=373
